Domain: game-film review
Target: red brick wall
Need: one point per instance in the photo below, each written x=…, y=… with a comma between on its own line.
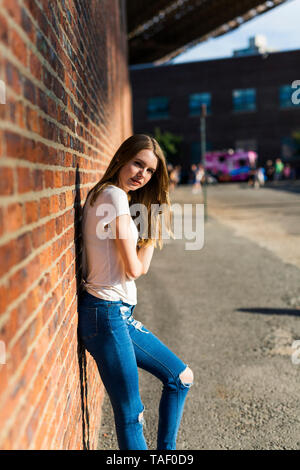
x=68, y=108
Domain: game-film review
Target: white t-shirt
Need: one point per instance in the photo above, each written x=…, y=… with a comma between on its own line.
x=103, y=268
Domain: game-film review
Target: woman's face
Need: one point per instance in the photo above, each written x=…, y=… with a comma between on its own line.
x=140, y=168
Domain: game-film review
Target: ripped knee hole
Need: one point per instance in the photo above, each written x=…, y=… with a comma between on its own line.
x=187, y=376
x=142, y=419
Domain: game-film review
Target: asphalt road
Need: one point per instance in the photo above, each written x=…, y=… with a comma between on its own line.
x=231, y=311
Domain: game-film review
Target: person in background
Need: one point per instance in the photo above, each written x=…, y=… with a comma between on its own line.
x=178, y=169
x=199, y=176
x=278, y=169
x=287, y=171
x=192, y=173
x=270, y=170
x=174, y=177
x=252, y=176
x=169, y=168
x=261, y=176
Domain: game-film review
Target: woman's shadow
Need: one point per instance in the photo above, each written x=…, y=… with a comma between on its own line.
x=80, y=347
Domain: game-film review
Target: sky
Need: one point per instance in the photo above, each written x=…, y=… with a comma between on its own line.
x=280, y=26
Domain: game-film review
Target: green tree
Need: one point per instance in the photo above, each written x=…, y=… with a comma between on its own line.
x=170, y=144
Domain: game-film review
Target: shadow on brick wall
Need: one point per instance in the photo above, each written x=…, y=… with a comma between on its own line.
x=80, y=347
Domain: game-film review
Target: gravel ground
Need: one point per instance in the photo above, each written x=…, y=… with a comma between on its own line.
x=231, y=311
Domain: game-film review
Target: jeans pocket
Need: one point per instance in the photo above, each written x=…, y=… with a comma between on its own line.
x=87, y=323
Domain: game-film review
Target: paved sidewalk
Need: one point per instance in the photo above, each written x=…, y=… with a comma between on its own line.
x=231, y=311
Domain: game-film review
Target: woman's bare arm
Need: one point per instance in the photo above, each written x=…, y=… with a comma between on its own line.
x=145, y=254
x=136, y=262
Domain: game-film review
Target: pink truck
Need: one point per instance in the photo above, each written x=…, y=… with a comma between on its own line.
x=230, y=165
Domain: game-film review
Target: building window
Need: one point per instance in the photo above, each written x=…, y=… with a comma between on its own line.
x=196, y=101
x=244, y=100
x=158, y=107
x=285, y=97
x=196, y=156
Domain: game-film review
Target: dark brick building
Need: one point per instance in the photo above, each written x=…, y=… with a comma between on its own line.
x=248, y=100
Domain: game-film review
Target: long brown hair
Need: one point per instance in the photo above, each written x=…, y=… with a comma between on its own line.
x=156, y=191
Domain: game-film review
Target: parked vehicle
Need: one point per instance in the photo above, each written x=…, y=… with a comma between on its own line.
x=231, y=165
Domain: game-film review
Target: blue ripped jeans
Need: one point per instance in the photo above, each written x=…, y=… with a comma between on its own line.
x=120, y=344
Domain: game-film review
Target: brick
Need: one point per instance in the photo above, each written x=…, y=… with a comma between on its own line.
x=31, y=212
x=18, y=47
x=16, y=285
x=49, y=178
x=14, y=251
x=29, y=90
x=6, y=181
x=38, y=179
x=23, y=246
x=24, y=179
x=38, y=236
x=57, y=179
x=8, y=257
x=59, y=225
x=35, y=65
x=52, y=109
x=54, y=204
x=13, y=77
x=32, y=7
x=44, y=207
x=12, y=325
x=21, y=147
x=3, y=30
x=1, y=222
x=42, y=101
x=32, y=270
x=43, y=432
x=65, y=177
x=10, y=107
x=32, y=120
x=4, y=111
x=20, y=115
x=50, y=230
x=13, y=9
x=62, y=201
x=27, y=25
x=68, y=159
x=13, y=217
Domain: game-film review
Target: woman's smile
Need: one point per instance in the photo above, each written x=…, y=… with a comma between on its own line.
x=136, y=182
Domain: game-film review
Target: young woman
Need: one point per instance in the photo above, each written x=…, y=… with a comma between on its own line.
x=114, y=255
